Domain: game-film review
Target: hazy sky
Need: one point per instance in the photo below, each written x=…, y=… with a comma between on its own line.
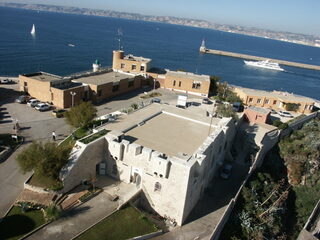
x=300, y=16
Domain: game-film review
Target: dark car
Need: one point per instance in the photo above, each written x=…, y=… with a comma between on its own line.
x=155, y=100
x=58, y=113
x=206, y=101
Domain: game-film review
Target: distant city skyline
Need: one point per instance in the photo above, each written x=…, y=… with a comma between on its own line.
x=286, y=15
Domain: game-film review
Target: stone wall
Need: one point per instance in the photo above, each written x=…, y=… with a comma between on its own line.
x=82, y=163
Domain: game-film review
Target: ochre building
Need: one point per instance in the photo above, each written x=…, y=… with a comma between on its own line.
x=274, y=100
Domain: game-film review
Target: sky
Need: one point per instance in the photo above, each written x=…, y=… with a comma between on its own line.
x=298, y=16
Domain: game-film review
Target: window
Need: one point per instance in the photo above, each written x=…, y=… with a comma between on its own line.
x=259, y=100
x=179, y=83
x=157, y=187
x=274, y=102
x=25, y=84
x=122, y=65
x=133, y=67
x=250, y=100
x=196, y=85
x=266, y=101
x=99, y=93
x=142, y=68
x=174, y=82
x=115, y=88
x=130, y=83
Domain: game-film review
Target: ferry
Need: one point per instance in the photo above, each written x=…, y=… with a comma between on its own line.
x=264, y=64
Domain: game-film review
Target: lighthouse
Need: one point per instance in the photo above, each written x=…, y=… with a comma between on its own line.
x=203, y=47
x=96, y=65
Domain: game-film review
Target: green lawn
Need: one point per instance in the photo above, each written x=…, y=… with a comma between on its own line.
x=78, y=134
x=94, y=136
x=123, y=224
x=16, y=224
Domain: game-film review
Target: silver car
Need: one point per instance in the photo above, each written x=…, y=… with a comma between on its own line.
x=33, y=102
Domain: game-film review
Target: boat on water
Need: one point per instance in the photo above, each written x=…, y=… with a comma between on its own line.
x=71, y=45
x=264, y=64
x=33, y=30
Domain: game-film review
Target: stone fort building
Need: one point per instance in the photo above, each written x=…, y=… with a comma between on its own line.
x=168, y=153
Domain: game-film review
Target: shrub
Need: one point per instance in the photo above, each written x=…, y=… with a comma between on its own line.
x=53, y=212
x=226, y=111
x=277, y=123
x=283, y=126
x=134, y=106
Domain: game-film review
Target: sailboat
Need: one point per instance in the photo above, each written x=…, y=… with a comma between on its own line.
x=33, y=30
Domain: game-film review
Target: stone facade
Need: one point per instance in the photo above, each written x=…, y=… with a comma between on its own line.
x=185, y=82
x=171, y=184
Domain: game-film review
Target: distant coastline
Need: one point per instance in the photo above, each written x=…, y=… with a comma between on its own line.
x=303, y=39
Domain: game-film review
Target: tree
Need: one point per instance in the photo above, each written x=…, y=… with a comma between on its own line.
x=214, y=80
x=224, y=110
x=45, y=159
x=225, y=93
x=81, y=115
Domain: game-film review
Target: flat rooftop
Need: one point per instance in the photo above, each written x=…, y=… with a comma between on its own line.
x=137, y=59
x=192, y=76
x=43, y=76
x=169, y=134
x=172, y=131
x=103, y=78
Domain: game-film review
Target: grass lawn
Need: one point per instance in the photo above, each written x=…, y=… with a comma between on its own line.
x=123, y=224
x=16, y=224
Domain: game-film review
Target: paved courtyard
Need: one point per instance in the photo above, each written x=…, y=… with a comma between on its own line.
x=77, y=219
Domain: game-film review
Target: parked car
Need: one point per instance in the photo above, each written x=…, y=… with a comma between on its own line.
x=33, y=102
x=237, y=107
x=226, y=171
x=5, y=81
x=206, y=101
x=42, y=107
x=58, y=113
x=272, y=111
x=155, y=100
x=22, y=99
x=285, y=114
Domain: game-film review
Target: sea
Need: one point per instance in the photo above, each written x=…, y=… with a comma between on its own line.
x=67, y=43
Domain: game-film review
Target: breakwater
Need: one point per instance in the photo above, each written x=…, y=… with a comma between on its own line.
x=251, y=57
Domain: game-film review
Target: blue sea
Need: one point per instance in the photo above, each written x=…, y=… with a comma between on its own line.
x=170, y=46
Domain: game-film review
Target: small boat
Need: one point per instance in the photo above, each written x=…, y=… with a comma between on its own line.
x=264, y=64
x=71, y=45
x=33, y=30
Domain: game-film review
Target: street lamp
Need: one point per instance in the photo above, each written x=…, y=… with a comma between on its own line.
x=154, y=84
x=72, y=95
